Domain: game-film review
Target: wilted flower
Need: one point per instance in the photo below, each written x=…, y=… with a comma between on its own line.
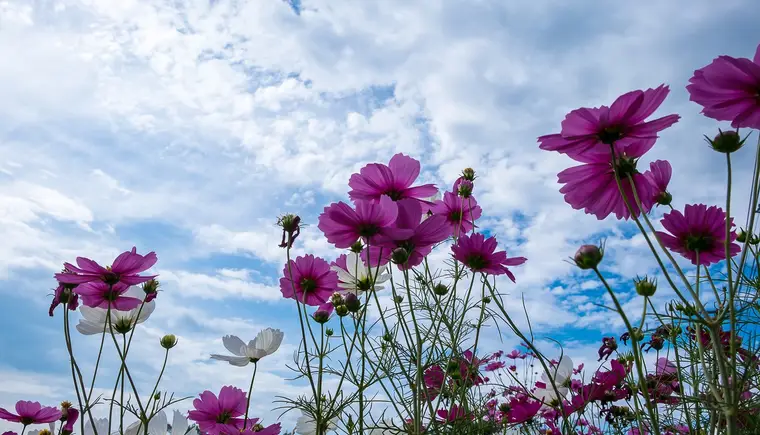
x=291, y=228
x=609, y=345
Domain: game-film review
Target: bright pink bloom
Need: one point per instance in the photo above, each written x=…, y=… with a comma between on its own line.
x=64, y=294
x=698, y=229
x=593, y=188
x=434, y=377
x=729, y=90
x=125, y=270
x=31, y=413
x=217, y=416
x=478, y=253
x=253, y=427
x=522, y=409
x=342, y=225
x=101, y=295
x=72, y=415
x=515, y=354
x=495, y=365
x=460, y=213
x=312, y=280
x=454, y=414
x=322, y=314
x=394, y=180
x=415, y=237
x=588, y=133
x=659, y=175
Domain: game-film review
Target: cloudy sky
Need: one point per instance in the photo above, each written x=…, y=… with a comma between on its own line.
x=187, y=127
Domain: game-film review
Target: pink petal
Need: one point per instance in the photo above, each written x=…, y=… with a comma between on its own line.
x=405, y=170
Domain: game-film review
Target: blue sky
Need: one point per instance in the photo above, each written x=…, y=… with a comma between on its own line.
x=187, y=127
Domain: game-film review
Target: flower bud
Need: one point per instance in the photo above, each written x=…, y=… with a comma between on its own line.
x=337, y=299
x=291, y=228
x=664, y=198
x=151, y=290
x=388, y=337
x=399, y=256
x=157, y=396
x=465, y=189
x=357, y=247
x=468, y=174
x=329, y=332
x=168, y=341
x=440, y=289
x=726, y=141
x=645, y=287
x=452, y=369
x=321, y=316
x=589, y=256
x=66, y=404
x=741, y=237
x=352, y=303
x=341, y=310
x=398, y=299
x=486, y=299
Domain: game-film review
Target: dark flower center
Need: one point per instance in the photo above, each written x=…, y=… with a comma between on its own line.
x=476, y=262
x=626, y=166
x=308, y=285
x=455, y=215
x=111, y=295
x=223, y=418
x=368, y=230
x=110, y=278
x=610, y=134
x=27, y=420
x=698, y=242
x=395, y=194
x=363, y=284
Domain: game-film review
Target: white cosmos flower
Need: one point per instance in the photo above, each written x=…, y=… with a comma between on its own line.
x=305, y=425
x=561, y=374
x=425, y=208
x=93, y=320
x=357, y=278
x=101, y=425
x=266, y=343
x=158, y=425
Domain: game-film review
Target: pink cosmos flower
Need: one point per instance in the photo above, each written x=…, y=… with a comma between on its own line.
x=101, y=295
x=125, y=270
x=218, y=416
x=698, y=229
x=322, y=314
x=72, y=415
x=10, y=433
x=64, y=294
x=312, y=280
x=516, y=354
x=253, y=427
x=394, y=180
x=434, y=377
x=454, y=414
x=522, y=409
x=342, y=225
x=495, y=365
x=478, y=253
x=728, y=89
x=659, y=175
x=588, y=133
x=415, y=236
x=593, y=188
x=31, y=413
x=460, y=213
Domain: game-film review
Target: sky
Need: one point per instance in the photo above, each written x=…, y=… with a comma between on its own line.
x=187, y=127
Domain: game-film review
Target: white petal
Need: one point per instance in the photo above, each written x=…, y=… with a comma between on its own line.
x=88, y=328
x=158, y=424
x=239, y=361
x=234, y=344
x=133, y=428
x=94, y=315
x=179, y=424
x=269, y=340
x=134, y=292
x=147, y=310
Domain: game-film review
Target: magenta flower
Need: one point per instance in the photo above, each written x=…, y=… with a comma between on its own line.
x=478, y=253
x=414, y=237
x=516, y=354
x=699, y=229
x=64, y=295
x=729, y=90
x=253, y=427
x=434, y=377
x=125, y=270
x=218, y=416
x=322, y=314
x=588, y=133
x=394, y=180
x=659, y=175
x=522, y=409
x=31, y=413
x=454, y=414
x=460, y=213
x=72, y=415
x=342, y=225
x=593, y=187
x=98, y=294
x=495, y=365
x=312, y=280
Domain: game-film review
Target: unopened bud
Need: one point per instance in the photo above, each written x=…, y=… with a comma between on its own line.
x=352, y=303
x=440, y=289
x=151, y=289
x=388, y=337
x=468, y=174
x=487, y=299
x=741, y=237
x=337, y=299
x=321, y=316
x=452, y=369
x=157, y=396
x=399, y=256
x=465, y=189
x=341, y=311
x=726, y=141
x=664, y=198
x=398, y=299
x=357, y=247
x=589, y=256
x=645, y=287
x=329, y=332
x=168, y=341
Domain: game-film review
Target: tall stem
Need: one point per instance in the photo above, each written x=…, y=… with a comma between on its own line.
x=250, y=390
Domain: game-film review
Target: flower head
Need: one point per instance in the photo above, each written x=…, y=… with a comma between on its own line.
x=305, y=425
x=31, y=413
x=460, y=213
x=125, y=270
x=479, y=254
x=64, y=294
x=309, y=280
x=659, y=175
x=266, y=343
x=393, y=180
x=588, y=134
x=728, y=89
x=355, y=276
x=219, y=415
x=698, y=231
x=94, y=320
x=344, y=225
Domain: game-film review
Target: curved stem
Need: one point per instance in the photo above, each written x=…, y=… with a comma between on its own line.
x=250, y=390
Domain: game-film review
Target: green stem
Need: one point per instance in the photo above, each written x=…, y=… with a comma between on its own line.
x=250, y=391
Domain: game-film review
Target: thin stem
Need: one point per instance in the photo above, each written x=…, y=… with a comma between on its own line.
x=250, y=390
